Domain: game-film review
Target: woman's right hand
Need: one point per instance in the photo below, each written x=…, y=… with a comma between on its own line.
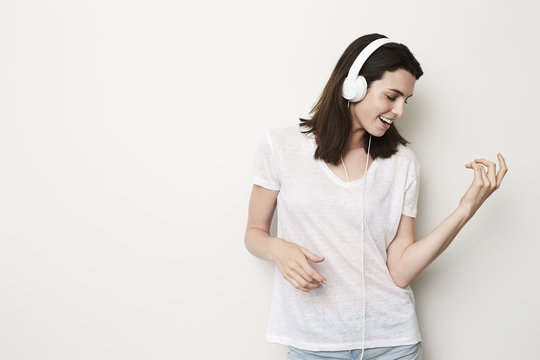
x=292, y=262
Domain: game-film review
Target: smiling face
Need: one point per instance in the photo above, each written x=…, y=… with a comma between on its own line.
x=384, y=102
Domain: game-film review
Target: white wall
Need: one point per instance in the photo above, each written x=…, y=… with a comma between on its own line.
x=127, y=136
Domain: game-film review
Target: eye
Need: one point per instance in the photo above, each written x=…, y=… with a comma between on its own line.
x=390, y=98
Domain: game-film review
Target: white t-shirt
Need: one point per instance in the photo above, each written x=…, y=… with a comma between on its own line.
x=319, y=211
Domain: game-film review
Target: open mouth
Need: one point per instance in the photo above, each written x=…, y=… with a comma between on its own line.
x=386, y=122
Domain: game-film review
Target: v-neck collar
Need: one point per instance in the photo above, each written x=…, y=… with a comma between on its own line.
x=336, y=178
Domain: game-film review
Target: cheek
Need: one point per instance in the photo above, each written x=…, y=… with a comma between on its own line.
x=376, y=107
x=362, y=111
x=371, y=107
x=381, y=103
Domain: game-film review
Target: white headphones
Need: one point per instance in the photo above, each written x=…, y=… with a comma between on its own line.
x=355, y=87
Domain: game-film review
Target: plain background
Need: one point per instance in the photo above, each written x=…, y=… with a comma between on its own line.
x=128, y=131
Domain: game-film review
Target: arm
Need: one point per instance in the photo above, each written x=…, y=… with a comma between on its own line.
x=262, y=205
x=407, y=258
x=291, y=259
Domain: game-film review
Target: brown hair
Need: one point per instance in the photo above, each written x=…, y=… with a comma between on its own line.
x=331, y=121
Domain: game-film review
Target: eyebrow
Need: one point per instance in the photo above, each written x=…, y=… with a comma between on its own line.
x=399, y=92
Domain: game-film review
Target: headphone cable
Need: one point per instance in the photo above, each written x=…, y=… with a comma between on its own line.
x=363, y=280
x=363, y=212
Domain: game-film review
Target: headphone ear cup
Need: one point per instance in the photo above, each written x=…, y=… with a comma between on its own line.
x=361, y=89
x=349, y=89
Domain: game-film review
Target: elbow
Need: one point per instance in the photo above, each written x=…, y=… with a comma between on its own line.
x=402, y=284
x=399, y=279
x=247, y=242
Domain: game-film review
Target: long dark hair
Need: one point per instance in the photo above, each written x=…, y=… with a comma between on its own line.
x=331, y=121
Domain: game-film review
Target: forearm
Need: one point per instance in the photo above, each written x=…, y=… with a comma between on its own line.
x=259, y=243
x=421, y=253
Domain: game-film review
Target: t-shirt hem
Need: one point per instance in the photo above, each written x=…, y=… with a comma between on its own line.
x=409, y=213
x=264, y=184
x=343, y=346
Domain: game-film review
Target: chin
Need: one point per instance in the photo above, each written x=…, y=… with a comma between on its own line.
x=377, y=133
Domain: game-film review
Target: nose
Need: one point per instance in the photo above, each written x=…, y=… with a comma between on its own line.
x=398, y=109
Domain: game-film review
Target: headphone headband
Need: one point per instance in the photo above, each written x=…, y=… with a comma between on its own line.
x=354, y=86
x=365, y=54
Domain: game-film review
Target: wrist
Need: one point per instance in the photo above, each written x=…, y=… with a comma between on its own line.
x=273, y=242
x=466, y=211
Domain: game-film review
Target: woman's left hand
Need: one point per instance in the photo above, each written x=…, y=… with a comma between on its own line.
x=484, y=184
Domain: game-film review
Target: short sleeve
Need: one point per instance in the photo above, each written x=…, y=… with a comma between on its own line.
x=265, y=168
x=412, y=190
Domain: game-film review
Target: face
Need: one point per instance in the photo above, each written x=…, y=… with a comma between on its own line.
x=384, y=102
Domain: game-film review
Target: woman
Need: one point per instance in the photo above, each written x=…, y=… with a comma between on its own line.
x=346, y=188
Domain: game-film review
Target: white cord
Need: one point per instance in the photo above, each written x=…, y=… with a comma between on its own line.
x=346, y=173
x=363, y=281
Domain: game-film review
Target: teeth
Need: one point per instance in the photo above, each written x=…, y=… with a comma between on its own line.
x=386, y=120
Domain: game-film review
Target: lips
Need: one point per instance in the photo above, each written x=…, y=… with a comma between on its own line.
x=385, y=120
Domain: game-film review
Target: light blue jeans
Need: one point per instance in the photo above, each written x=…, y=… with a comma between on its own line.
x=405, y=352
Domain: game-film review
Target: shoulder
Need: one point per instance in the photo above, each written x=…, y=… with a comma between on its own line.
x=406, y=153
x=404, y=158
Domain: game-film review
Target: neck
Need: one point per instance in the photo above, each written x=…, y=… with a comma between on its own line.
x=355, y=139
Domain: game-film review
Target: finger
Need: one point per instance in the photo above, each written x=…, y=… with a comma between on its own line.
x=297, y=285
x=305, y=279
x=307, y=267
x=313, y=274
x=302, y=283
x=295, y=271
x=491, y=170
x=477, y=173
x=485, y=179
x=311, y=256
x=483, y=176
x=503, y=169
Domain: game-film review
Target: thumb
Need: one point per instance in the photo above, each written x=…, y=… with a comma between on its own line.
x=311, y=256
